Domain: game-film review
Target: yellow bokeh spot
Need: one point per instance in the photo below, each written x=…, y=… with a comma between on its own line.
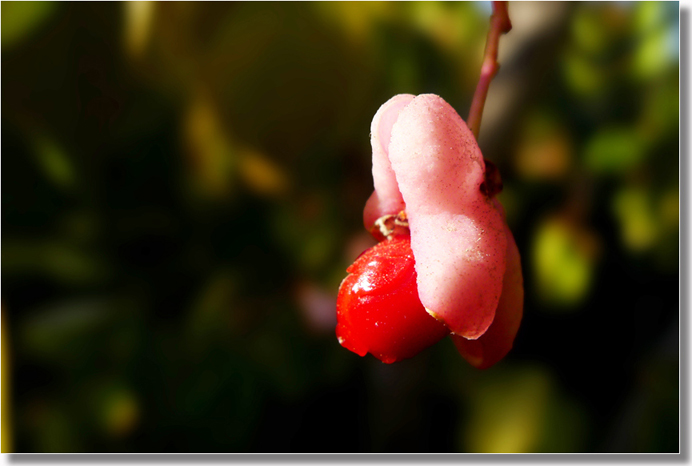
x=648, y=15
x=669, y=208
x=588, y=32
x=545, y=150
x=355, y=19
x=138, y=20
x=209, y=147
x=644, y=220
x=436, y=20
x=563, y=259
x=20, y=19
x=120, y=414
x=54, y=162
x=509, y=412
x=614, y=149
x=262, y=175
x=638, y=227
x=581, y=74
x=650, y=58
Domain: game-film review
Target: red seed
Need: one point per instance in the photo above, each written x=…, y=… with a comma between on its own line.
x=378, y=309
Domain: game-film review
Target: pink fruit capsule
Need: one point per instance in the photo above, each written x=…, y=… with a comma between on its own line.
x=422, y=146
x=427, y=161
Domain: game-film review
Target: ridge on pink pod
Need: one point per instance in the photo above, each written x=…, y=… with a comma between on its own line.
x=457, y=233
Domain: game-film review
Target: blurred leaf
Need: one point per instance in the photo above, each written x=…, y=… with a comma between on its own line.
x=452, y=25
x=520, y=409
x=508, y=411
x=658, y=42
x=355, y=19
x=660, y=115
x=63, y=329
x=139, y=17
x=588, y=32
x=55, y=162
x=645, y=219
x=669, y=208
x=544, y=151
x=563, y=260
x=614, y=150
x=638, y=225
x=262, y=175
x=667, y=250
x=650, y=58
x=20, y=19
x=212, y=158
x=119, y=411
x=583, y=76
x=648, y=15
x=61, y=262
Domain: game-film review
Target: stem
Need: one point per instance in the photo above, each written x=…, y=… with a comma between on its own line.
x=499, y=24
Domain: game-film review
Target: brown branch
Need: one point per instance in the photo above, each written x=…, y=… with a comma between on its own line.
x=499, y=24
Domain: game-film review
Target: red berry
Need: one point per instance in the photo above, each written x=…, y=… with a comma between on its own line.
x=378, y=309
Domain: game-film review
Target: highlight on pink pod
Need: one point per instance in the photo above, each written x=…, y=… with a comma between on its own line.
x=432, y=182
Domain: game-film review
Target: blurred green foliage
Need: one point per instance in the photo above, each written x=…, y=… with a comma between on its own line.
x=22, y=18
x=183, y=191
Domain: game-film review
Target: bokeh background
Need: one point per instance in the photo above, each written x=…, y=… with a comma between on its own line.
x=182, y=191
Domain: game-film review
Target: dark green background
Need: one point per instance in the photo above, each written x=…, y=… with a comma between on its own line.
x=182, y=191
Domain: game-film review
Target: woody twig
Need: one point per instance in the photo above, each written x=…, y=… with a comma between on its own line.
x=499, y=24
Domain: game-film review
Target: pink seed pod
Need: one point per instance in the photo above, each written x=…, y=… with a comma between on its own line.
x=435, y=214
x=422, y=146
